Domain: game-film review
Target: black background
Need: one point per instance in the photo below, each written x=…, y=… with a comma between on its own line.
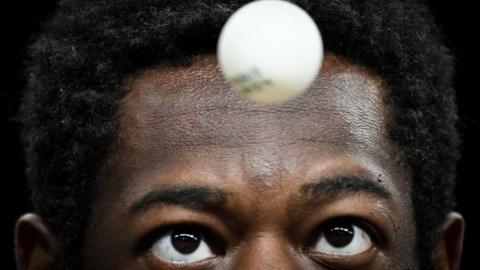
x=20, y=19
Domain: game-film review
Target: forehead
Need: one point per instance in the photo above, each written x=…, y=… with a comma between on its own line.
x=171, y=111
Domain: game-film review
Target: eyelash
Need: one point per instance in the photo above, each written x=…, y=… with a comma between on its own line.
x=213, y=238
x=218, y=245
x=376, y=235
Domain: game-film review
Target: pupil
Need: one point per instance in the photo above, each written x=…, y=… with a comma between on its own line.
x=185, y=242
x=339, y=235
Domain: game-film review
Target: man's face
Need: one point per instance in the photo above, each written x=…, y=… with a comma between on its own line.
x=200, y=178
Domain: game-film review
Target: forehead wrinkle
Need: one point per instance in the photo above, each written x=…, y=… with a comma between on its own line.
x=227, y=125
x=239, y=126
x=197, y=107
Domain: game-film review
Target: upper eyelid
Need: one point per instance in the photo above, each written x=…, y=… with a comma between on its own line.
x=372, y=211
x=152, y=223
x=377, y=236
x=230, y=238
x=148, y=240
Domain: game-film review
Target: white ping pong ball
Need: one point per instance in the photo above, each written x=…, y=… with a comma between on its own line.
x=270, y=50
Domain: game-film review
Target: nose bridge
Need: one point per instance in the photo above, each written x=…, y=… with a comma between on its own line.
x=266, y=251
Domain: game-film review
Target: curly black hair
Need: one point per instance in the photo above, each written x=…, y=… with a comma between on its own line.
x=77, y=63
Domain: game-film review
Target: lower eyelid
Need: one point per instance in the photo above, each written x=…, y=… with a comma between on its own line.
x=156, y=263
x=346, y=262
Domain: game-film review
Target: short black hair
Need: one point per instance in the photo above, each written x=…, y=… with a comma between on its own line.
x=78, y=61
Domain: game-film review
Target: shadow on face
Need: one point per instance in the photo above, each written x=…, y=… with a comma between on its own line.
x=201, y=178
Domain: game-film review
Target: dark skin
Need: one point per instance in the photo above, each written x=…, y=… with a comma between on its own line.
x=201, y=178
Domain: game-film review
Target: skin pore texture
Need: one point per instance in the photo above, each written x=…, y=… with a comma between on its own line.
x=258, y=184
x=183, y=127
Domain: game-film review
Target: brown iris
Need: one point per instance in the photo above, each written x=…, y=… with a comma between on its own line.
x=339, y=234
x=185, y=242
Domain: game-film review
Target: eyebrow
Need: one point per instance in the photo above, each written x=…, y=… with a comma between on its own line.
x=332, y=187
x=206, y=198
x=194, y=197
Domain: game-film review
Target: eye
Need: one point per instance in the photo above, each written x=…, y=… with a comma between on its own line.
x=185, y=245
x=342, y=238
